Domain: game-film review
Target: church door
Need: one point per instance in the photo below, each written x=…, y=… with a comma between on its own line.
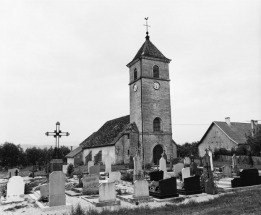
x=157, y=151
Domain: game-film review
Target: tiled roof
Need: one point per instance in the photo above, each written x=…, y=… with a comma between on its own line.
x=110, y=132
x=149, y=50
x=74, y=152
x=236, y=131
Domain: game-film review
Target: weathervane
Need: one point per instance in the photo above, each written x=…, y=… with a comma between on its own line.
x=57, y=134
x=147, y=27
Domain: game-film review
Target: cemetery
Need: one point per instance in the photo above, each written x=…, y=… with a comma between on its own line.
x=94, y=188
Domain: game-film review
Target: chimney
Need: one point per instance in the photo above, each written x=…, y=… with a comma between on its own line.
x=253, y=126
x=228, y=121
x=71, y=148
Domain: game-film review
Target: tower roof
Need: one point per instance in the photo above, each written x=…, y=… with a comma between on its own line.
x=148, y=49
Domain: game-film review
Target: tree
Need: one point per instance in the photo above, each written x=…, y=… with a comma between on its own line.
x=187, y=149
x=10, y=154
x=254, y=141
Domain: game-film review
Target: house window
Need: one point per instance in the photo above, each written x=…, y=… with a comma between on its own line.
x=128, y=136
x=157, y=124
x=135, y=74
x=128, y=152
x=155, y=71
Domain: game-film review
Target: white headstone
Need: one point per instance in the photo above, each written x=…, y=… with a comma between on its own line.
x=15, y=189
x=137, y=172
x=107, y=192
x=163, y=167
x=141, y=188
x=57, y=189
x=108, y=164
x=90, y=163
x=114, y=177
x=187, y=161
x=44, y=190
x=65, y=168
x=185, y=173
x=227, y=171
x=177, y=168
x=211, y=159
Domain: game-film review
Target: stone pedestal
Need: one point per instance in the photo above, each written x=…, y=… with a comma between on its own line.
x=56, y=165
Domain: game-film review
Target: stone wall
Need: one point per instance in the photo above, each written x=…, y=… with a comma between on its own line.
x=215, y=139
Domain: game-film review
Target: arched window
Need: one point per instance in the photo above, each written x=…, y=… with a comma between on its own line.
x=157, y=124
x=155, y=71
x=135, y=74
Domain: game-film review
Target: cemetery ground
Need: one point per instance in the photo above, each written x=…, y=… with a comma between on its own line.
x=236, y=202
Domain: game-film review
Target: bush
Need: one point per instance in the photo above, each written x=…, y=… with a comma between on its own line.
x=70, y=170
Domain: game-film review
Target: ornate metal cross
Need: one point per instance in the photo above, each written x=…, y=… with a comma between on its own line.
x=147, y=26
x=57, y=134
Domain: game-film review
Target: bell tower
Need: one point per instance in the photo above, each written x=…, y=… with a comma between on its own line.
x=150, y=109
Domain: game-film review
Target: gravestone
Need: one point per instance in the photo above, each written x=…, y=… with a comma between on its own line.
x=193, y=168
x=178, y=168
x=65, y=168
x=185, y=173
x=114, y=177
x=211, y=159
x=187, y=161
x=235, y=164
x=209, y=187
x=107, y=192
x=108, y=164
x=165, y=188
x=13, y=172
x=44, y=190
x=90, y=184
x=163, y=167
x=249, y=177
x=90, y=164
x=191, y=186
x=137, y=172
x=94, y=170
x=56, y=165
x=15, y=189
x=227, y=171
x=156, y=176
x=141, y=189
x=57, y=189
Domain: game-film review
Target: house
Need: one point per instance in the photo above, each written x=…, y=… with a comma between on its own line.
x=226, y=135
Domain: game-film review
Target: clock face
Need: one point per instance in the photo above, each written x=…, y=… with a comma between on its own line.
x=156, y=85
x=135, y=87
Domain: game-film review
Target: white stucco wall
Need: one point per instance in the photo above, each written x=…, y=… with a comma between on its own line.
x=70, y=160
x=108, y=150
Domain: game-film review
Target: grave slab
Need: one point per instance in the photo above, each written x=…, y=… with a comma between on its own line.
x=57, y=189
x=15, y=189
x=114, y=177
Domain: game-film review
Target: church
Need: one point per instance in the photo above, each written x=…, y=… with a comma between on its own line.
x=147, y=130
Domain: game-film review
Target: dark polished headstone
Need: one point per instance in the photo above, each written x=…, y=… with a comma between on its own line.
x=191, y=186
x=56, y=165
x=166, y=188
x=156, y=176
x=249, y=177
x=236, y=182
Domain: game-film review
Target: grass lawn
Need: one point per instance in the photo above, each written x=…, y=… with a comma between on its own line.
x=246, y=202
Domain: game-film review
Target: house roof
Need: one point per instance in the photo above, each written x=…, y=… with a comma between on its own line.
x=110, y=132
x=236, y=131
x=148, y=49
x=74, y=152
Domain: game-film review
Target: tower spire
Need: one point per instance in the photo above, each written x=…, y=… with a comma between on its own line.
x=147, y=28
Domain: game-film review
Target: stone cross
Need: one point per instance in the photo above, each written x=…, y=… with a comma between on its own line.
x=57, y=134
x=16, y=172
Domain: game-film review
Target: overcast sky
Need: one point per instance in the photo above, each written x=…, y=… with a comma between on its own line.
x=66, y=61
